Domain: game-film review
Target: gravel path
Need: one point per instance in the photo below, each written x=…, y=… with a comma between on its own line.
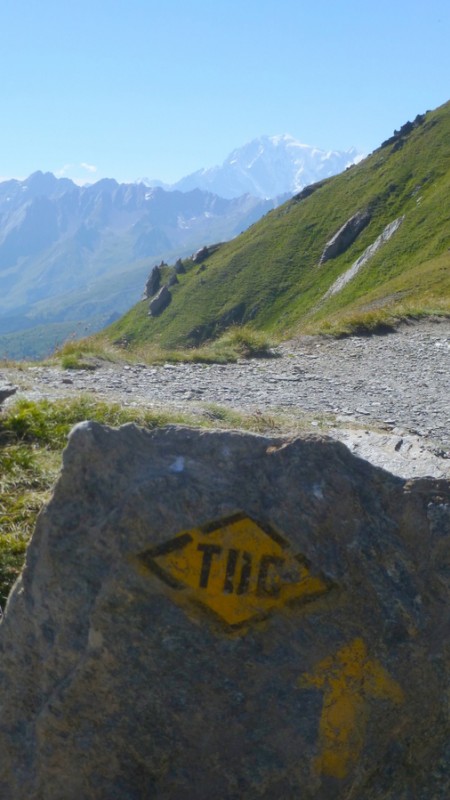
x=395, y=386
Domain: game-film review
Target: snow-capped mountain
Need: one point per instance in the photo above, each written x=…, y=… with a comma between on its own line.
x=71, y=254
x=269, y=166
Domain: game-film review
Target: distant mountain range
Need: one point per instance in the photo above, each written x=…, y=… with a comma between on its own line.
x=73, y=258
x=269, y=166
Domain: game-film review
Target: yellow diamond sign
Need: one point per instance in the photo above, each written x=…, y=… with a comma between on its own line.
x=237, y=567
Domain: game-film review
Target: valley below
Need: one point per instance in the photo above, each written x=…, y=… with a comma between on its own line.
x=386, y=397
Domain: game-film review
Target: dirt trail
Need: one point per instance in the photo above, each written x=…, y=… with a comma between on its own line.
x=388, y=395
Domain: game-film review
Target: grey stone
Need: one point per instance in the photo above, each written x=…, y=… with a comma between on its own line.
x=218, y=614
x=345, y=236
x=160, y=302
x=369, y=252
x=153, y=283
x=200, y=255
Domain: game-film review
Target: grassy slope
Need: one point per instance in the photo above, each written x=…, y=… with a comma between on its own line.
x=274, y=266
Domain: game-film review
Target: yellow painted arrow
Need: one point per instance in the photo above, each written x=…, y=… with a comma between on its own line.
x=348, y=678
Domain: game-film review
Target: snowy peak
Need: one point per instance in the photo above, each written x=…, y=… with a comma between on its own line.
x=270, y=166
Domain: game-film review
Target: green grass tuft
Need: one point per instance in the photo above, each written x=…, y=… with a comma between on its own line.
x=85, y=354
x=26, y=476
x=238, y=342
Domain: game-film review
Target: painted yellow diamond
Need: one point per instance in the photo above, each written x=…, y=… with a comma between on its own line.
x=237, y=567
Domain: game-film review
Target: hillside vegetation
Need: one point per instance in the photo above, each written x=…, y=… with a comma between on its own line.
x=271, y=277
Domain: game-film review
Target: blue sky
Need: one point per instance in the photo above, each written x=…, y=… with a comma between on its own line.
x=159, y=88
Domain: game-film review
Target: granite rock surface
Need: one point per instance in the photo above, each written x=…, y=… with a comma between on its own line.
x=223, y=615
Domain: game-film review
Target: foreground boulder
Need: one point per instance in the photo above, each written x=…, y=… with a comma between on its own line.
x=220, y=615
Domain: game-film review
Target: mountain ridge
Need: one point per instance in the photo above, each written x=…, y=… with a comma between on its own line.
x=267, y=166
x=74, y=257
x=275, y=276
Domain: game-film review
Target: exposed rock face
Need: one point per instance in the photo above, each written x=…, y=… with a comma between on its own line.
x=308, y=191
x=398, y=138
x=370, y=251
x=153, y=283
x=209, y=615
x=160, y=302
x=345, y=236
x=200, y=255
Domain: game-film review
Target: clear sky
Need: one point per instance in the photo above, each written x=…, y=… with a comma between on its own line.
x=160, y=88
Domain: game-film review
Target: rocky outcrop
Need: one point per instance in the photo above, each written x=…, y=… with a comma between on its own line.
x=370, y=251
x=345, y=236
x=160, y=302
x=153, y=283
x=219, y=614
x=308, y=191
x=200, y=255
x=398, y=138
